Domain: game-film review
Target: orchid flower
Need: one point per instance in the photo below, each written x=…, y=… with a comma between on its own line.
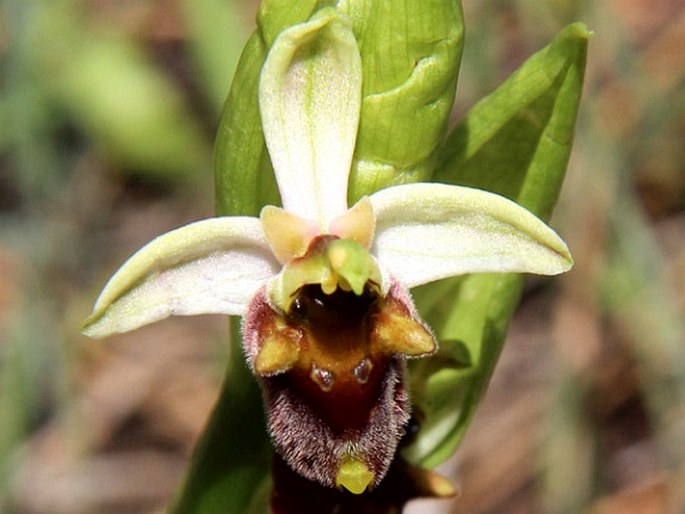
x=328, y=321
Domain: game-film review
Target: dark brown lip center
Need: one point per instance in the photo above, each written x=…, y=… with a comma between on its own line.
x=313, y=307
x=337, y=373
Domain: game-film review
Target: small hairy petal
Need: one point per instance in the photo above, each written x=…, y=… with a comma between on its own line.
x=356, y=224
x=287, y=234
x=211, y=266
x=425, y=232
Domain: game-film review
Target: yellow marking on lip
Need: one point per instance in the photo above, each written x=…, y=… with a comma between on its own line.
x=354, y=475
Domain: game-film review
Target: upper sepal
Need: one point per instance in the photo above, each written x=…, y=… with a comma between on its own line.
x=309, y=98
x=210, y=266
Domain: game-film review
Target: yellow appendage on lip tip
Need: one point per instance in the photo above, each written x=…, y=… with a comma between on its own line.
x=357, y=223
x=354, y=475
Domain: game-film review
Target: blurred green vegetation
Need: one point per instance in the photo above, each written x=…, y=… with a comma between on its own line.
x=107, y=108
x=99, y=101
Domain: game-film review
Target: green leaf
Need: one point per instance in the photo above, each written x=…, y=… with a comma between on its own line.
x=239, y=148
x=274, y=16
x=515, y=142
x=410, y=59
x=475, y=310
x=512, y=141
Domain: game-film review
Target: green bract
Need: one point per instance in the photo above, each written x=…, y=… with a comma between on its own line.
x=516, y=142
x=410, y=54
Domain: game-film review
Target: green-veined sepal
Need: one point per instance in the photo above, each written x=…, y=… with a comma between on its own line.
x=425, y=232
x=211, y=266
x=309, y=97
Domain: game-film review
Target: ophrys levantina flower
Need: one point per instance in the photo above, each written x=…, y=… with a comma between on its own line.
x=323, y=289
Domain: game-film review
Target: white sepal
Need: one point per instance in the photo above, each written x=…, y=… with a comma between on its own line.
x=425, y=232
x=211, y=266
x=309, y=99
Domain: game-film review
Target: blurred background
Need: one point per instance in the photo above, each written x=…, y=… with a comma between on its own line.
x=107, y=114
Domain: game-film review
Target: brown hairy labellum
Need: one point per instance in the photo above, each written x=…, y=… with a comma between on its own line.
x=332, y=371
